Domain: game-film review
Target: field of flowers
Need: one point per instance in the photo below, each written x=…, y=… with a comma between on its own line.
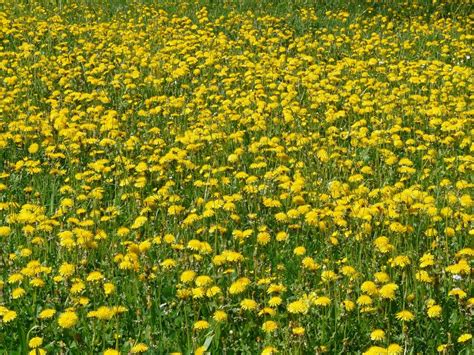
x=236, y=177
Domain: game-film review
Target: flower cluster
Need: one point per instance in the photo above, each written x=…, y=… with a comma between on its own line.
x=175, y=177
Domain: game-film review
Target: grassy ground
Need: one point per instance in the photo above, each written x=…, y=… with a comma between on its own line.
x=236, y=177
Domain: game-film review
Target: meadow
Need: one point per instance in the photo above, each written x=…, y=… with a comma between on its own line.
x=236, y=177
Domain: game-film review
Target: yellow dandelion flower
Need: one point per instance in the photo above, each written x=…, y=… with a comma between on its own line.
x=434, y=311
x=37, y=351
x=377, y=335
x=68, y=319
x=405, y=316
x=269, y=350
x=267, y=311
x=299, y=251
x=168, y=263
x=400, y=261
x=375, y=350
x=275, y=301
x=201, y=324
x=109, y=288
x=269, y=326
x=248, y=304
x=322, y=301
x=464, y=338
x=458, y=293
x=382, y=277
x=388, y=291
x=239, y=286
x=369, y=287
x=5, y=231
x=298, y=307
x=220, y=316
x=47, y=313
x=139, y=348
x=394, y=349
x=9, y=316
x=66, y=269
x=364, y=300
x=94, y=276
x=77, y=287
x=348, y=305
x=139, y=222
x=187, y=276
x=298, y=330
x=442, y=348
x=18, y=292
x=35, y=342
x=33, y=148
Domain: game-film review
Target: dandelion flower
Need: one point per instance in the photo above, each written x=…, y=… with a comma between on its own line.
x=434, y=311
x=442, y=348
x=187, y=276
x=405, y=316
x=109, y=288
x=377, y=335
x=47, y=313
x=239, y=286
x=18, y=292
x=375, y=350
x=388, y=291
x=139, y=348
x=67, y=319
x=269, y=326
x=35, y=342
x=298, y=307
x=369, y=287
x=464, y=338
x=220, y=316
x=364, y=300
x=201, y=324
x=269, y=350
x=248, y=304
x=9, y=316
x=298, y=330
x=299, y=251
x=5, y=231
x=322, y=301
x=394, y=349
x=95, y=276
x=348, y=305
x=274, y=301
